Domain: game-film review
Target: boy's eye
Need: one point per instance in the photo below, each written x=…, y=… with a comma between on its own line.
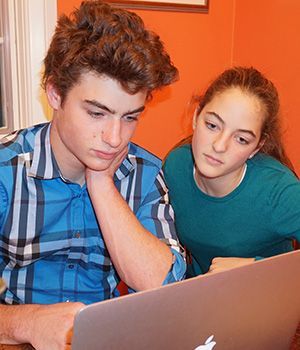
x=131, y=118
x=95, y=114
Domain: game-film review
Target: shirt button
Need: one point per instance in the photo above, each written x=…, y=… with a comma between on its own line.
x=71, y=266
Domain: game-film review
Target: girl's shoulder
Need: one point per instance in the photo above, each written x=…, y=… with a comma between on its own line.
x=178, y=165
x=180, y=154
x=264, y=161
x=264, y=167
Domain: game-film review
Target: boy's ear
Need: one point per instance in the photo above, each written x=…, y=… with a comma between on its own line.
x=53, y=96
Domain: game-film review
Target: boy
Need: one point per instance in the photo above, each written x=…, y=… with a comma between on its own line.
x=81, y=207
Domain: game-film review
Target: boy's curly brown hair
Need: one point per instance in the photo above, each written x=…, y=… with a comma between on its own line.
x=106, y=40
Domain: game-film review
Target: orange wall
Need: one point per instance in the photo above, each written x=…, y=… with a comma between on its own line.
x=266, y=35
x=251, y=32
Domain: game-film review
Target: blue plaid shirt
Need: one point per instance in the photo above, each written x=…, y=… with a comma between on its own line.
x=51, y=246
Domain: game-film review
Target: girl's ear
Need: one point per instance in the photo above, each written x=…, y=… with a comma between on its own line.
x=195, y=116
x=259, y=146
x=54, y=98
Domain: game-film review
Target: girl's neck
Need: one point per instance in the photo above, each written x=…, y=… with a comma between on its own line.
x=222, y=186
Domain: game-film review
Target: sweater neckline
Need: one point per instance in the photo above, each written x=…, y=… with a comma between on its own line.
x=233, y=193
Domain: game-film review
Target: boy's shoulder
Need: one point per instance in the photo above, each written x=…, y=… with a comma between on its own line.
x=141, y=153
x=19, y=142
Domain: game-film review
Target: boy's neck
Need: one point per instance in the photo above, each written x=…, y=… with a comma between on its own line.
x=70, y=167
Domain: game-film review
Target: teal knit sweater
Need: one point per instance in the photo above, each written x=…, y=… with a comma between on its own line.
x=259, y=218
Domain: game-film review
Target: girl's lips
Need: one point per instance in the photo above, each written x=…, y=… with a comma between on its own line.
x=212, y=160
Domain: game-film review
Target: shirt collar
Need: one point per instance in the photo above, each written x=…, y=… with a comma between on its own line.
x=44, y=165
x=126, y=167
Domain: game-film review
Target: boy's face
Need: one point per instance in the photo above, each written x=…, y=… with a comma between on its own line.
x=96, y=121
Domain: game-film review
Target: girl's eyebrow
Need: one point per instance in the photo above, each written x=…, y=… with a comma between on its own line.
x=102, y=106
x=217, y=116
x=222, y=121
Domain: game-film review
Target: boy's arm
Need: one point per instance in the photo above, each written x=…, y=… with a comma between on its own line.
x=141, y=259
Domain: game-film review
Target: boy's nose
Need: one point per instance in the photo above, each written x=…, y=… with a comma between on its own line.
x=111, y=134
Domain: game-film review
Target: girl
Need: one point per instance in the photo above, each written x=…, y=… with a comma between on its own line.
x=235, y=195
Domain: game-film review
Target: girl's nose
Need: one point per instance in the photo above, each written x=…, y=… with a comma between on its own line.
x=220, y=143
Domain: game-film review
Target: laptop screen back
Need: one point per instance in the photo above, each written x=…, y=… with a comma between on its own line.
x=251, y=307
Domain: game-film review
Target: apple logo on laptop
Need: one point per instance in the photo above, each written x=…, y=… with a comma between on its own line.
x=208, y=345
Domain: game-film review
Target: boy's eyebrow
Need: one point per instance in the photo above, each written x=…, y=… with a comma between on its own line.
x=222, y=121
x=102, y=106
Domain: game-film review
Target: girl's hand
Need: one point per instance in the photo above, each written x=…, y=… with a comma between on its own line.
x=221, y=264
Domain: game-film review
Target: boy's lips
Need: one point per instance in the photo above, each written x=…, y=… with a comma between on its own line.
x=105, y=155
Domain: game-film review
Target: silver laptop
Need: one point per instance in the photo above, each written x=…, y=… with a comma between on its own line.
x=254, y=307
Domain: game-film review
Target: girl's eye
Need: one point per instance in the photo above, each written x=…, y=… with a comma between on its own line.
x=95, y=114
x=211, y=126
x=242, y=140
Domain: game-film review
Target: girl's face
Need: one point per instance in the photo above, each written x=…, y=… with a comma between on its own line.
x=226, y=133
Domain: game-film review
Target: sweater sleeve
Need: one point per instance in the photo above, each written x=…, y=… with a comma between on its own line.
x=285, y=207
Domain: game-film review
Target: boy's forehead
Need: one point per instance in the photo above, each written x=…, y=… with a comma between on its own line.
x=95, y=79
x=93, y=88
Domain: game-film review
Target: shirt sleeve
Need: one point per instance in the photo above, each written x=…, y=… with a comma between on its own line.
x=177, y=271
x=157, y=216
x=3, y=204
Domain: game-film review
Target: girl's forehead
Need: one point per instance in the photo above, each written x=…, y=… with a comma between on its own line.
x=235, y=97
x=237, y=108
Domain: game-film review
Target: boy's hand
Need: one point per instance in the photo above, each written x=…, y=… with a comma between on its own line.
x=94, y=177
x=50, y=326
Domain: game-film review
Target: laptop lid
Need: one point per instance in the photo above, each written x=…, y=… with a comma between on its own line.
x=256, y=306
